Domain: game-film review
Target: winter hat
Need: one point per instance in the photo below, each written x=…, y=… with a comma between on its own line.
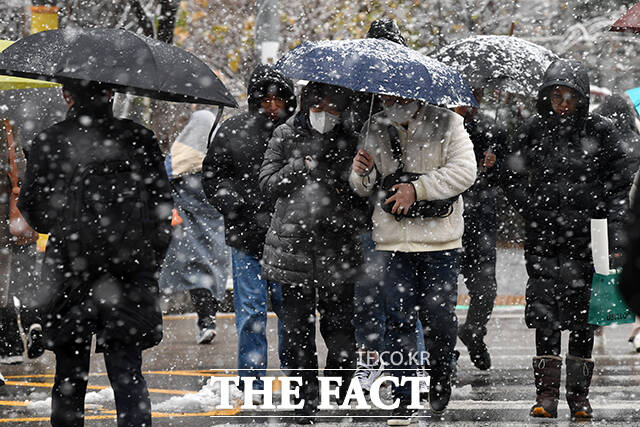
x=265, y=80
x=386, y=28
x=313, y=93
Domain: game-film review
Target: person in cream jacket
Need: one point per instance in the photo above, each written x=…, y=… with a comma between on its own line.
x=422, y=254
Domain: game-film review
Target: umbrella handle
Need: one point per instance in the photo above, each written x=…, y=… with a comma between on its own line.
x=215, y=124
x=366, y=138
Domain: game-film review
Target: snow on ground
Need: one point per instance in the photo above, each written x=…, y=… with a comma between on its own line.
x=93, y=400
x=207, y=399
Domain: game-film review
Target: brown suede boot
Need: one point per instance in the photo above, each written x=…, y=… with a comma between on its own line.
x=579, y=373
x=546, y=371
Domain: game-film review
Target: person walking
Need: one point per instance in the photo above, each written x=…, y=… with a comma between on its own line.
x=370, y=318
x=619, y=108
x=565, y=166
x=230, y=181
x=312, y=246
x=423, y=259
x=17, y=258
x=198, y=258
x=98, y=186
x=478, y=263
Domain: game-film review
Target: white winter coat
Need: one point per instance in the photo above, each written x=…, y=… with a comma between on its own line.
x=436, y=145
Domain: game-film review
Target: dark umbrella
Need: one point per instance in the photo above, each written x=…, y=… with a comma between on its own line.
x=630, y=21
x=507, y=63
x=119, y=58
x=377, y=66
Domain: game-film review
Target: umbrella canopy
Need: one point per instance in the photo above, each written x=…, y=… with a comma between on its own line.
x=119, y=58
x=11, y=83
x=377, y=66
x=630, y=21
x=509, y=63
x=634, y=95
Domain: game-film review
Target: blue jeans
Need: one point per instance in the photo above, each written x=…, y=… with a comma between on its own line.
x=370, y=316
x=250, y=296
x=421, y=286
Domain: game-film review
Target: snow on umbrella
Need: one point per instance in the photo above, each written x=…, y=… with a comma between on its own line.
x=119, y=58
x=377, y=66
x=630, y=21
x=509, y=63
x=14, y=83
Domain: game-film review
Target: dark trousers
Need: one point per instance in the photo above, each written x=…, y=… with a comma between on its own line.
x=124, y=369
x=421, y=285
x=335, y=305
x=205, y=304
x=580, y=342
x=478, y=263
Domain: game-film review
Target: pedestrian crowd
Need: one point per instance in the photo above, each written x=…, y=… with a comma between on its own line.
x=322, y=202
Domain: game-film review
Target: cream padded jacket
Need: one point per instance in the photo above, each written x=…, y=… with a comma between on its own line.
x=436, y=145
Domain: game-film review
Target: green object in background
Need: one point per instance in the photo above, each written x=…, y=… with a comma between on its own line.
x=607, y=307
x=13, y=83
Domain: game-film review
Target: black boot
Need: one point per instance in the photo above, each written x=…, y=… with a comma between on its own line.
x=478, y=351
x=439, y=394
x=579, y=373
x=546, y=371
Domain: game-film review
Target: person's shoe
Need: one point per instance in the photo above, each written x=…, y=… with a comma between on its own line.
x=1, y=380
x=546, y=371
x=579, y=373
x=635, y=341
x=367, y=374
x=305, y=415
x=424, y=385
x=478, y=352
x=402, y=415
x=35, y=341
x=439, y=394
x=206, y=330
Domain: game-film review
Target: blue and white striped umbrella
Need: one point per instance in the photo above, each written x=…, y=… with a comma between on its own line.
x=377, y=66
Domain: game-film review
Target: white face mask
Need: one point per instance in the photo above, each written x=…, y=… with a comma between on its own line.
x=322, y=121
x=400, y=113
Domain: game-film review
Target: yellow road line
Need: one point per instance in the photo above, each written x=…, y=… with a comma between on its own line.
x=189, y=373
x=220, y=413
x=270, y=315
x=14, y=402
x=98, y=387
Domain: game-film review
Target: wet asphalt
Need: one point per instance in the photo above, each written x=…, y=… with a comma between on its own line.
x=178, y=369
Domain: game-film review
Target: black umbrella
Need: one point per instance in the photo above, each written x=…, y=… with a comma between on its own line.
x=120, y=59
x=507, y=63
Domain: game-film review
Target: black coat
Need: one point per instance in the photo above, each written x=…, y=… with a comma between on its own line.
x=232, y=165
x=480, y=199
x=559, y=175
x=121, y=307
x=317, y=219
x=629, y=280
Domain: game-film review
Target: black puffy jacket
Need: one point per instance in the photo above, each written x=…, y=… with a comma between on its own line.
x=232, y=165
x=317, y=219
x=559, y=174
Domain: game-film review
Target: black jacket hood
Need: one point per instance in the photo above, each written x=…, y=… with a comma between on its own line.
x=619, y=109
x=386, y=28
x=565, y=72
x=265, y=79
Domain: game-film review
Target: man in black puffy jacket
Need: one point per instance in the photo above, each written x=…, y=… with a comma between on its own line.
x=230, y=181
x=312, y=246
x=566, y=166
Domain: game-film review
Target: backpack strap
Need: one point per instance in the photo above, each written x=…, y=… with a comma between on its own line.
x=396, y=150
